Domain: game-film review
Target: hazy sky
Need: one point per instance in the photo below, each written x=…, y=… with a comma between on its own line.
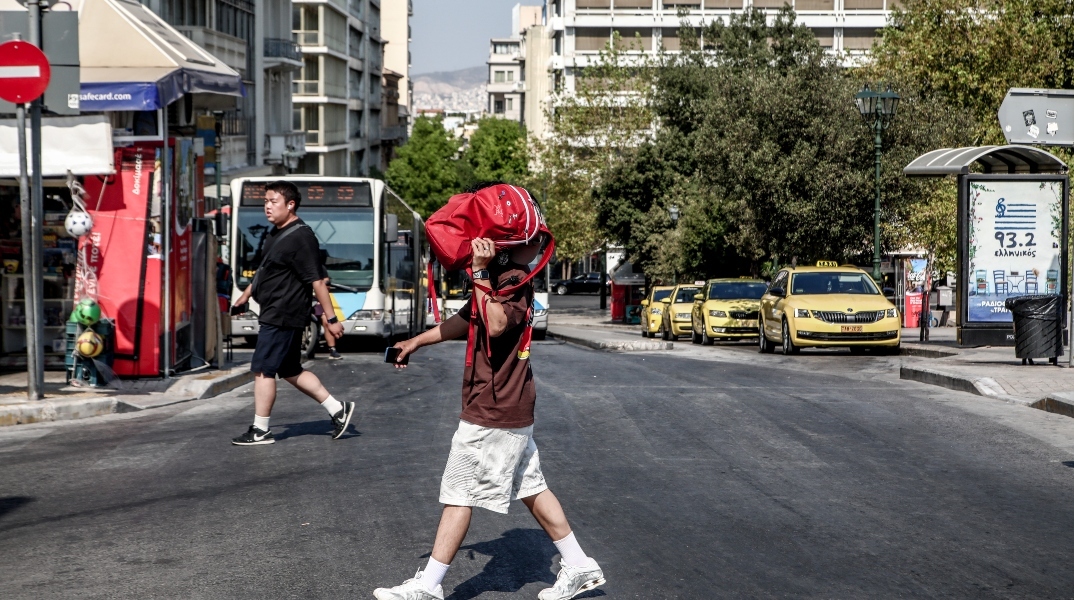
x=454, y=34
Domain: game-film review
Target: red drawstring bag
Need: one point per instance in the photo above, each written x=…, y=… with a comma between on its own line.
x=507, y=215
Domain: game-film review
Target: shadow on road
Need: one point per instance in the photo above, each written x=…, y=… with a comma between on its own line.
x=12, y=503
x=519, y=557
x=317, y=427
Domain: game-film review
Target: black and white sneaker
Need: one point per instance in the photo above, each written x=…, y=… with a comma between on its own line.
x=341, y=419
x=254, y=437
x=334, y=354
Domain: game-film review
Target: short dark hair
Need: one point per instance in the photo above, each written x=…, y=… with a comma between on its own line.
x=288, y=190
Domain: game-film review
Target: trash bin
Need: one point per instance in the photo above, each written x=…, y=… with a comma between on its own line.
x=1038, y=326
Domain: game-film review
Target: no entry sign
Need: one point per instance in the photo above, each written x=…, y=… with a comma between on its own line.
x=24, y=72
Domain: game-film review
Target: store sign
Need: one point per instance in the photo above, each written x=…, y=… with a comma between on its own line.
x=1015, y=235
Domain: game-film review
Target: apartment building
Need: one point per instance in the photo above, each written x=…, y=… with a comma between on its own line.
x=581, y=28
x=339, y=93
x=255, y=40
x=510, y=94
x=398, y=96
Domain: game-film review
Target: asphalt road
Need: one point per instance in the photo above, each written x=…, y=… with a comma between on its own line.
x=703, y=473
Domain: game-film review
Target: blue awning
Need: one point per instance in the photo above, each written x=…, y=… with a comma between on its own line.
x=150, y=89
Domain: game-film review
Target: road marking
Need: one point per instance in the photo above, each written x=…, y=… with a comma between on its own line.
x=20, y=72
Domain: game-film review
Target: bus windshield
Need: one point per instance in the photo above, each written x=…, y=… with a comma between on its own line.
x=346, y=234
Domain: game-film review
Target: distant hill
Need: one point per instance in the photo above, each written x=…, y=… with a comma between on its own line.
x=462, y=90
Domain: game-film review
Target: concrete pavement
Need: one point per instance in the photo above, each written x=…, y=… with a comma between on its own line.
x=989, y=371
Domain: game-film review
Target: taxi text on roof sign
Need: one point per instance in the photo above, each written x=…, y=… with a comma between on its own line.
x=827, y=263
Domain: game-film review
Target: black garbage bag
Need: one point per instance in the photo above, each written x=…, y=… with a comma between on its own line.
x=1038, y=325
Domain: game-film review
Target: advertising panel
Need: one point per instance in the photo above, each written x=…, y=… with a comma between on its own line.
x=1014, y=246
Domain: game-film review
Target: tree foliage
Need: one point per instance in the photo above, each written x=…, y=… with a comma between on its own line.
x=763, y=151
x=590, y=130
x=424, y=172
x=497, y=151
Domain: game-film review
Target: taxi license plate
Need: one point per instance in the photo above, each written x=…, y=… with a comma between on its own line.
x=851, y=328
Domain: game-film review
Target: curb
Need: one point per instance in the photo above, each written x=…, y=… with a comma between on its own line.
x=983, y=386
x=630, y=346
x=81, y=408
x=925, y=351
x=1060, y=403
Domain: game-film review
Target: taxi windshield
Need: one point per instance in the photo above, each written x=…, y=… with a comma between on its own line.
x=847, y=282
x=685, y=295
x=737, y=291
x=659, y=295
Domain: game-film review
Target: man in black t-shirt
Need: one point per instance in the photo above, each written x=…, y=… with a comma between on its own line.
x=290, y=274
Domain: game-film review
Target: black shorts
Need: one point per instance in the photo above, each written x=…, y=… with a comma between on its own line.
x=278, y=352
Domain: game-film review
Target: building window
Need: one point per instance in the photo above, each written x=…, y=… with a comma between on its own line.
x=497, y=107
x=499, y=77
x=504, y=48
x=510, y=103
x=235, y=17
x=510, y=76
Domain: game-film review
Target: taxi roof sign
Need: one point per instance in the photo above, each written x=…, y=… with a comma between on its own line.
x=827, y=263
x=699, y=283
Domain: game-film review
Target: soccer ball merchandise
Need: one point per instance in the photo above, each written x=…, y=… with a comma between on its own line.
x=89, y=344
x=78, y=223
x=87, y=312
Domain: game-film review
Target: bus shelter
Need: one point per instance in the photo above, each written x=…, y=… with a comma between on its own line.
x=1013, y=205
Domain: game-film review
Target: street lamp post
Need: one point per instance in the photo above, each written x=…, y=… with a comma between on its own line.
x=877, y=110
x=673, y=212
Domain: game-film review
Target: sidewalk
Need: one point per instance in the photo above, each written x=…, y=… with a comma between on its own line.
x=64, y=402
x=989, y=371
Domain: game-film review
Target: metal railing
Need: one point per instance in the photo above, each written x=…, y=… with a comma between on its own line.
x=279, y=48
x=392, y=132
x=306, y=87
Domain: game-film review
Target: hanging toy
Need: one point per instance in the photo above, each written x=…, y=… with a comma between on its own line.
x=87, y=312
x=89, y=344
x=78, y=222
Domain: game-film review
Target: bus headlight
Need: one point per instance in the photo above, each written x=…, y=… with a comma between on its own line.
x=247, y=315
x=366, y=315
x=451, y=312
x=540, y=312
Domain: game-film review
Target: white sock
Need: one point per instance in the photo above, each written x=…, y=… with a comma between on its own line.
x=433, y=574
x=571, y=552
x=261, y=422
x=332, y=405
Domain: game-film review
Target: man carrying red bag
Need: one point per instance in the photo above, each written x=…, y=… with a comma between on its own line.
x=493, y=457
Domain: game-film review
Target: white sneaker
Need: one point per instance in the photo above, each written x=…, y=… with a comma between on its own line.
x=572, y=581
x=411, y=589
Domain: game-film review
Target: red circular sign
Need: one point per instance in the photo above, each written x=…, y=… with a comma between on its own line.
x=24, y=72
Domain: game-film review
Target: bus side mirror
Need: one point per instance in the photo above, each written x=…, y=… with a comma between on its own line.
x=220, y=223
x=391, y=229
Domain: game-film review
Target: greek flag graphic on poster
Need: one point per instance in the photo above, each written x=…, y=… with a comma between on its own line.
x=1015, y=229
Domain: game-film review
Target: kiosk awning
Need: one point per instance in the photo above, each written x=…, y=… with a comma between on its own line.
x=82, y=145
x=993, y=159
x=131, y=59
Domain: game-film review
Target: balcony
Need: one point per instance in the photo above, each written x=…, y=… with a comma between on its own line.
x=393, y=133
x=505, y=87
x=282, y=55
x=285, y=148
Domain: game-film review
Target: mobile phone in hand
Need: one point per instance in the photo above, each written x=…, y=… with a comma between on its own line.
x=391, y=355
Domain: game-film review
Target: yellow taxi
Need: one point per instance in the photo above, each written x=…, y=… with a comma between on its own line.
x=726, y=309
x=652, y=309
x=827, y=305
x=677, y=307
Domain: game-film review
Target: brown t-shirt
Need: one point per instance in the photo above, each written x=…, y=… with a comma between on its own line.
x=498, y=391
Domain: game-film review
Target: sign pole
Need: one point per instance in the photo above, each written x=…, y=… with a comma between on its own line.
x=33, y=392
x=38, y=206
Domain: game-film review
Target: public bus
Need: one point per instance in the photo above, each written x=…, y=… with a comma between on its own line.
x=453, y=291
x=373, y=247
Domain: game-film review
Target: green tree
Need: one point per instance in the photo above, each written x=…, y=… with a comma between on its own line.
x=591, y=128
x=969, y=52
x=424, y=172
x=497, y=151
x=764, y=153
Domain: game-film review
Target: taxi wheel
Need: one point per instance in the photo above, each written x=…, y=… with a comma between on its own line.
x=695, y=337
x=664, y=333
x=705, y=339
x=764, y=345
x=788, y=341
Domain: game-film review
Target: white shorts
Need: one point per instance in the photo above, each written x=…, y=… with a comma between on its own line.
x=490, y=467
